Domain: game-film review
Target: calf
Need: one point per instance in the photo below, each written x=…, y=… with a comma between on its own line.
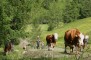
x=51, y=41
x=8, y=47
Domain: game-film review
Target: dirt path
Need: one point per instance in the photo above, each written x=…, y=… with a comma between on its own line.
x=56, y=52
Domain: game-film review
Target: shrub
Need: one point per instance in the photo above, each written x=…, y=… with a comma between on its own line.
x=15, y=41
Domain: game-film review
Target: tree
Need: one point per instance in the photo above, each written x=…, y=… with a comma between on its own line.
x=13, y=17
x=36, y=30
x=85, y=8
x=71, y=11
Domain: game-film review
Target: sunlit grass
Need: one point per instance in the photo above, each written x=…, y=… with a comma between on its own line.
x=83, y=25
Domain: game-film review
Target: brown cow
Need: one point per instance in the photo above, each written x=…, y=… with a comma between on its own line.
x=8, y=47
x=51, y=41
x=72, y=38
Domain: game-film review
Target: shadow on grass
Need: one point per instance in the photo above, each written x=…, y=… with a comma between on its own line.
x=2, y=53
x=41, y=58
x=67, y=53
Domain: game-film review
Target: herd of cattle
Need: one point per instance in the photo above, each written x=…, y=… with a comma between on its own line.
x=72, y=38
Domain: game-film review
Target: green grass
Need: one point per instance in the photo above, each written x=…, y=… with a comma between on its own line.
x=15, y=55
x=83, y=25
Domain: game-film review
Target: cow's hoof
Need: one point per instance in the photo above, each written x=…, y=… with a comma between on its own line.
x=50, y=49
x=71, y=53
x=65, y=52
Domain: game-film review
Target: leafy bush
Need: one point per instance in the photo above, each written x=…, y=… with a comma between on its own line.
x=15, y=41
x=51, y=26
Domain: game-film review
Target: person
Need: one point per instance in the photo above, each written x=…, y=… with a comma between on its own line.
x=42, y=44
x=38, y=42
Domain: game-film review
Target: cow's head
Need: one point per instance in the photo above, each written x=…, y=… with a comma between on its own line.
x=86, y=39
x=81, y=38
x=55, y=36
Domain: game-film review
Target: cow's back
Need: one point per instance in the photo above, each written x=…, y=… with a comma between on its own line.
x=49, y=39
x=70, y=36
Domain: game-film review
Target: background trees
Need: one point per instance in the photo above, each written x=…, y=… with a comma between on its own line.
x=85, y=8
x=15, y=15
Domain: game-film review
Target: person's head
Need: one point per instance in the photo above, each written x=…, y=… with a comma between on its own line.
x=37, y=36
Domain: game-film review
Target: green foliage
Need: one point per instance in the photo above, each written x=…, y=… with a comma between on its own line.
x=16, y=23
x=36, y=30
x=71, y=11
x=85, y=8
x=52, y=24
x=15, y=41
x=13, y=17
x=46, y=3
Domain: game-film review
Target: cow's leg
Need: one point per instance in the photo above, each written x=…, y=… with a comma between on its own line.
x=5, y=51
x=85, y=44
x=77, y=49
x=52, y=45
x=49, y=46
x=65, y=48
x=81, y=48
x=71, y=49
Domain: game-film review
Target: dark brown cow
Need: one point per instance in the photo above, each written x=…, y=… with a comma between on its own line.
x=8, y=47
x=51, y=41
x=72, y=38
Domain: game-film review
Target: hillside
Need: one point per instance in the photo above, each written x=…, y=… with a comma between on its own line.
x=84, y=25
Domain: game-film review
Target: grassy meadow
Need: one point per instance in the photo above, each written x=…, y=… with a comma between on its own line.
x=83, y=25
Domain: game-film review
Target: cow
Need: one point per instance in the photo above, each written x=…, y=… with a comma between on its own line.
x=8, y=47
x=85, y=41
x=73, y=37
x=51, y=41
